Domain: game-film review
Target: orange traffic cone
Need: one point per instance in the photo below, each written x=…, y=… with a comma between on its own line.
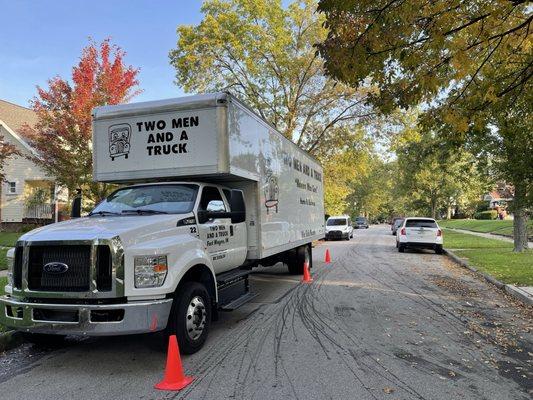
x=307, y=276
x=174, y=378
x=328, y=257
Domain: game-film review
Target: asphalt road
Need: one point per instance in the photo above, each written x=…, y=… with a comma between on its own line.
x=374, y=324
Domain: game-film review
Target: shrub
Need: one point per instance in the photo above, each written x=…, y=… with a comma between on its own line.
x=491, y=214
x=482, y=206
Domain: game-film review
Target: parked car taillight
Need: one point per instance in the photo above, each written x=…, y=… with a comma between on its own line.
x=439, y=232
x=402, y=232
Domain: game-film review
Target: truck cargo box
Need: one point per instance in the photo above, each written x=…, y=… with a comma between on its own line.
x=214, y=137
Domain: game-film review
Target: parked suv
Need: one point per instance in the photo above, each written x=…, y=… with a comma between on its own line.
x=361, y=223
x=396, y=223
x=339, y=227
x=422, y=233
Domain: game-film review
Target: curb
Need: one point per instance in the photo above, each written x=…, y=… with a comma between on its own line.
x=519, y=294
x=9, y=340
x=514, y=291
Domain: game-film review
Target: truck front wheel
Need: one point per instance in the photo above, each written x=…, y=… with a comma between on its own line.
x=190, y=316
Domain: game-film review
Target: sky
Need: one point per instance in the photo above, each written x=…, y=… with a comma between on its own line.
x=41, y=39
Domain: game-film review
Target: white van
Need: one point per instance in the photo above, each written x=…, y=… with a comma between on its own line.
x=212, y=191
x=339, y=227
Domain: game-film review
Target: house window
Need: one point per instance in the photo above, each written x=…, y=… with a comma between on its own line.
x=12, y=187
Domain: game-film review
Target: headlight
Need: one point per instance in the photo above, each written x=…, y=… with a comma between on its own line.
x=10, y=257
x=150, y=271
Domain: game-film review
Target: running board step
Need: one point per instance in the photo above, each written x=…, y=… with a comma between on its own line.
x=227, y=278
x=233, y=289
x=245, y=298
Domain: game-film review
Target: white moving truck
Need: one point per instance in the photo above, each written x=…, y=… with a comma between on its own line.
x=213, y=190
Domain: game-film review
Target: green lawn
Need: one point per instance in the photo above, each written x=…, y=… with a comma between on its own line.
x=3, y=259
x=498, y=227
x=457, y=240
x=8, y=239
x=492, y=256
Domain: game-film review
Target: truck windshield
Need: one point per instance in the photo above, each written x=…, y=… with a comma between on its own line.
x=336, y=222
x=149, y=199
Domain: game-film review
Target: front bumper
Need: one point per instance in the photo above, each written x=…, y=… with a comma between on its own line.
x=85, y=319
x=337, y=235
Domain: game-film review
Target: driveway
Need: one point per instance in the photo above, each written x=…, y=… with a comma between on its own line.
x=374, y=324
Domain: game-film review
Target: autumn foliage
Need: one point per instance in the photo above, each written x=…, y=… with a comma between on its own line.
x=7, y=150
x=63, y=136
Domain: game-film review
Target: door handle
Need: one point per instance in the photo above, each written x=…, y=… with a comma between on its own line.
x=231, y=230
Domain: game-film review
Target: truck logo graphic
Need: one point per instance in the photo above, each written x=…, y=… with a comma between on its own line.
x=55, y=268
x=119, y=140
x=271, y=191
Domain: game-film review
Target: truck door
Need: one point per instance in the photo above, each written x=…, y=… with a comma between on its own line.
x=238, y=231
x=215, y=233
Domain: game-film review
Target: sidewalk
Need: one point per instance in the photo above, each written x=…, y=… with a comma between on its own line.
x=487, y=235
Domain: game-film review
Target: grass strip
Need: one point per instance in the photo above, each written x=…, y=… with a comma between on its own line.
x=495, y=257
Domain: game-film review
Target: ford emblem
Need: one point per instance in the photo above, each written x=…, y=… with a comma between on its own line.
x=55, y=268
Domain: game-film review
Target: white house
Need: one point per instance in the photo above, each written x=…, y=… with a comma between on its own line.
x=27, y=194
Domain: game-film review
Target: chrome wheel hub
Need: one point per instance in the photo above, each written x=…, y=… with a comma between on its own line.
x=195, y=318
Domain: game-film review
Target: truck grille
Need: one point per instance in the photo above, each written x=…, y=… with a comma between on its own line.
x=103, y=268
x=17, y=268
x=75, y=279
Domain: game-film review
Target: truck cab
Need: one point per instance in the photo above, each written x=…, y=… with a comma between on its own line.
x=141, y=242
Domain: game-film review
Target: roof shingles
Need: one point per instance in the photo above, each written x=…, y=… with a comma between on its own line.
x=16, y=116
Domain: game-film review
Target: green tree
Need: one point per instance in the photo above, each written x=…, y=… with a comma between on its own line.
x=371, y=193
x=469, y=61
x=345, y=160
x=434, y=178
x=263, y=53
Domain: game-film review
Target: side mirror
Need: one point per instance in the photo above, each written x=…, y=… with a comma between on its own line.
x=202, y=216
x=75, y=211
x=237, y=213
x=236, y=216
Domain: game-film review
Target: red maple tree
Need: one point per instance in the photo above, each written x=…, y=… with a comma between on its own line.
x=7, y=150
x=62, y=136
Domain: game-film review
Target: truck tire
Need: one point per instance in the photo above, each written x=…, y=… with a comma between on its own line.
x=438, y=249
x=190, y=317
x=401, y=248
x=297, y=257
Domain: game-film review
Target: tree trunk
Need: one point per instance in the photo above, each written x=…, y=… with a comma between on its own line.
x=520, y=222
x=449, y=212
x=433, y=208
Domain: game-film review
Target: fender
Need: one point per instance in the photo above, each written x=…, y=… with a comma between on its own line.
x=183, y=252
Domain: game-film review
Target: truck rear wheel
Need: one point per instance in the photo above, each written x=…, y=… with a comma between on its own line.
x=297, y=257
x=190, y=317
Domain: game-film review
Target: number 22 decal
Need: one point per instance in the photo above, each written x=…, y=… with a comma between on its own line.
x=193, y=229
